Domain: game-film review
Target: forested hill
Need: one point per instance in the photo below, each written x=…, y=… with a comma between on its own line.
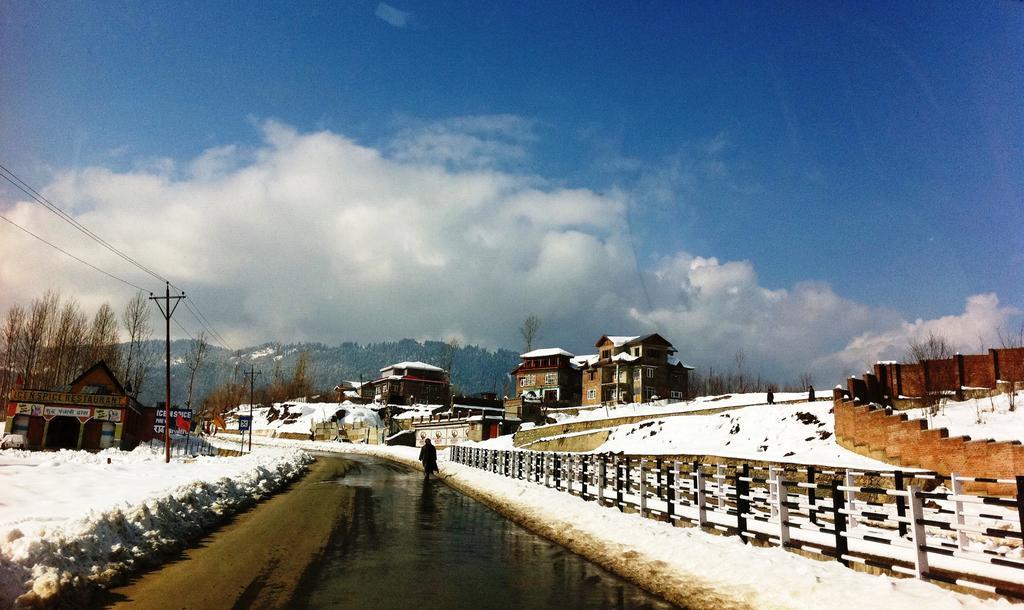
x=473, y=369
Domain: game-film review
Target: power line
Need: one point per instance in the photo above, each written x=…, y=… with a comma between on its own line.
x=62, y=250
x=24, y=187
x=38, y=198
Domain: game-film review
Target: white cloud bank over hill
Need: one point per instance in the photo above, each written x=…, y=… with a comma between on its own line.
x=311, y=236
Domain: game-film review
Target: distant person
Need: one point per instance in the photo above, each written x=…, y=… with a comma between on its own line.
x=771, y=397
x=428, y=457
x=810, y=393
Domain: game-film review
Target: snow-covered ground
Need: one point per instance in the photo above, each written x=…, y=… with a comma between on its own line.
x=301, y=417
x=714, y=570
x=800, y=432
x=70, y=518
x=700, y=403
x=978, y=418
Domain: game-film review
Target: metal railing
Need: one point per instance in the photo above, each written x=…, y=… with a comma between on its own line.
x=917, y=524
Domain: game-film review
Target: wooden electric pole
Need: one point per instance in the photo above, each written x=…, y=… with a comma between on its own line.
x=251, y=374
x=167, y=309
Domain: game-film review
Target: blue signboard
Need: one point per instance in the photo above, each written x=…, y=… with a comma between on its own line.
x=244, y=422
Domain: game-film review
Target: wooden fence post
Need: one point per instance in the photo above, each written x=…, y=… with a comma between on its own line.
x=839, y=523
x=698, y=492
x=782, y=509
x=547, y=470
x=584, y=461
x=643, y=488
x=720, y=481
x=958, y=512
x=670, y=481
x=920, y=541
x=602, y=475
x=851, y=497
x=618, y=482
x=742, y=505
x=812, y=494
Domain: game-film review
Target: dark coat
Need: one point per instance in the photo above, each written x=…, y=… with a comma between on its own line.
x=428, y=457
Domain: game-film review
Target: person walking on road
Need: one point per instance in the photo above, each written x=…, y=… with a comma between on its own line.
x=771, y=397
x=428, y=457
x=810, y=393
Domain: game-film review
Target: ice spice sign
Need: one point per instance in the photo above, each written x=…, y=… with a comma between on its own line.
x=158, y=424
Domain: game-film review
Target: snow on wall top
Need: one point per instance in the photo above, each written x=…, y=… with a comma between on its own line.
x=548, y=351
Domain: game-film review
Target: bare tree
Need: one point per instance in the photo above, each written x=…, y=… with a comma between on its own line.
x=194, y=359
x=66, y=343
x=1011, y=339
x=932, y=347
x=804, y=381
x=138, y=355
x=529, y=330
x=447, y=360
x=10, y=348
x=34, y=338
x=103, y=339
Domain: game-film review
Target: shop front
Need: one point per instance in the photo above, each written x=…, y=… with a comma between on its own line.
x=95, y=414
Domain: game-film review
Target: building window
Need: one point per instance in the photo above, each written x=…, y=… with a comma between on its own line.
x=676, y=394
x=606, y=354
x=591, y=394
x=522, y=382
x=636, y=351
x=590, y=375
x=550, y=378
x=650, y=373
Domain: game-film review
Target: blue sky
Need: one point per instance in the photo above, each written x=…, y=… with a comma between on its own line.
x=876, y=149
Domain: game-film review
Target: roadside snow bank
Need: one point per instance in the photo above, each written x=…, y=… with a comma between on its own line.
x=71, y=520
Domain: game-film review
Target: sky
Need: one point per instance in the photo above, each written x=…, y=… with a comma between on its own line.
x=811, y=184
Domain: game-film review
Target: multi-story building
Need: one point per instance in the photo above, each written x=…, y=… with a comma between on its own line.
x=406, y=383
x=545, y=378
x=633, y=369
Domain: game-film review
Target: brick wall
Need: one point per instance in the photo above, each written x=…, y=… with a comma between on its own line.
x=979, y=371
x=911, y=380
x=1011, y=364
x=942, y=375
x=951, y=374
x=868, y=430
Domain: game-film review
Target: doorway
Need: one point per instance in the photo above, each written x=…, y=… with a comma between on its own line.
x=62, y=433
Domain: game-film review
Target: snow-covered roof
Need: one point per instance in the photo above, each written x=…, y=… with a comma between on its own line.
x=547, y=351
x=581, y=361
x=619, y=341
x=672, y=360
x=423, y=366
x=624, y=357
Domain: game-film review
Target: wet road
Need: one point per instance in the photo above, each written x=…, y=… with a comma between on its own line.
x=366, y=533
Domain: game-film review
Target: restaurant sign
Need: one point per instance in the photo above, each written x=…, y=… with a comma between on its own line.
x=68, y=398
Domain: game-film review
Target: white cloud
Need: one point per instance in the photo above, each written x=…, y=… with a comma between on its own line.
x=392, y=16
x=310, y=236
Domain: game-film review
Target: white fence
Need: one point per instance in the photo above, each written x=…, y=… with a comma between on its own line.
x=918, y=524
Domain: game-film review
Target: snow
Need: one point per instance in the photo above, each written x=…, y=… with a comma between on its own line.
x=301, y=417
x=70, y=519
x=261, y=353
x=582, y=361
x=699, y=404
x=978, y=418
x=624, y=357
x=549, y=351
x=360, y=416
x=803, y=433
x=417, y=365
x=619, y=341
x=713, y=570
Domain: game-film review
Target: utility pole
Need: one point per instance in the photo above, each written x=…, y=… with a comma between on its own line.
x=251, y=374
x=167, y=310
